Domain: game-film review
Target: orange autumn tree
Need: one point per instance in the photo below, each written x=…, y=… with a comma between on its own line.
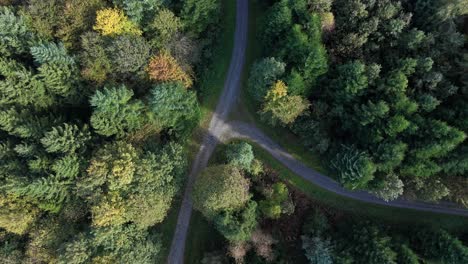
x=163, y=68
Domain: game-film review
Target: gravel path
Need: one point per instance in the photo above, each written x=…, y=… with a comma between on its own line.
x=222, y=130
x=246, y=131
x=215, y=130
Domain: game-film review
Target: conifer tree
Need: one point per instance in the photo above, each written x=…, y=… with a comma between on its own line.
x=115, y=113
x=65, y=139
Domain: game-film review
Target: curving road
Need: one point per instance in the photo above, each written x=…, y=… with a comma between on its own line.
x=222, y=130
x=246, y=131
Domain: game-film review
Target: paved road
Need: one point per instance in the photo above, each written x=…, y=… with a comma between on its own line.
x=222, y=130
x=217, y=127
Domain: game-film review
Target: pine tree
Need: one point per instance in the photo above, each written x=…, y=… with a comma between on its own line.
x=49, y=193
x=16, y=36
x=171, y=105
x=115, y=113
x=67, y=167
x=51, y=53
x=65, y=139
x=353, y=167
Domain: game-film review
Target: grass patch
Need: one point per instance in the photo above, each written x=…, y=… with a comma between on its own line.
x=212, y=80
x=166, y=230
x=202, y=237
x=389, y=215
x=247, y=110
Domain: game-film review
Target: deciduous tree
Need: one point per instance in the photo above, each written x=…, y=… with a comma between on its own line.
x=220, y=188
x=113, y=22
x=164, y=68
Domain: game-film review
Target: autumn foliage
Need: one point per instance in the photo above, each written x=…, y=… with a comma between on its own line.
x=112, y=21
x=164, y=68
x=277, y=91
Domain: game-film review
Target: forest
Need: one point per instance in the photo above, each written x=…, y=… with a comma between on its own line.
x=100, y=101
x=260, y=218
x=97, y=100
x=379, y=88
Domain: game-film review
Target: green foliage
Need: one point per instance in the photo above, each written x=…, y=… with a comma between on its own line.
x=137, y=11
x=277, y=201
x=353, y=167
x=55, y=76
x=296, y=84
x=48, y=193
x=316, y=224
x=96, y=64
x=22, y=124
x=70, y=195
x=16, y=215
x=237, y=226
x=16, y=36
x=240, y=155
x=391, y=189
x=51, y=53
x=129, y=54
x=350, y=82
x=317, y=246
x=262, y=76
x=407, y=256
x=114, y=112
x=122, y=244
x=67, y=167
x=200, y=15
x=220, y=188
x=441, y=245
x=277, y=22
x=256, y=169
x=165, y=25
x=58, y=78
x=65, y=139
x=368, y=245
x=44, y=16
x=317, y=250
x=147, y=182
x=284, y=110
x=171, y=105
x=76, y=18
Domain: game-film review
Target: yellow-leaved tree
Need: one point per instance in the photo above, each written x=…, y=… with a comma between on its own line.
x=112, y=22
x=164, y=68
x=277, y=91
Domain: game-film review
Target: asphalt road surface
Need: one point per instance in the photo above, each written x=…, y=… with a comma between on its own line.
x=222, y=130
